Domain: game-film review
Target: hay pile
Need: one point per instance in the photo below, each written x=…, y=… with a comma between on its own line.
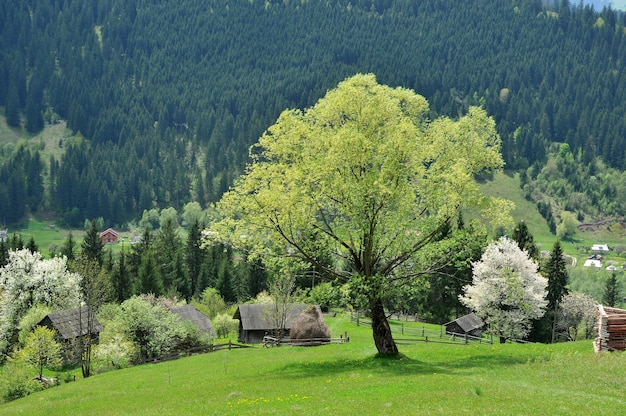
x=309, y=328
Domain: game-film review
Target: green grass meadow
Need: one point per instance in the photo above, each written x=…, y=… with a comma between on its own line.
x=430, y=378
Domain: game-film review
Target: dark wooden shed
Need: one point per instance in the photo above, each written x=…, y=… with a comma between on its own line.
x=189, y=313
x=255, y=321
x=469, y=324
x=69, y=325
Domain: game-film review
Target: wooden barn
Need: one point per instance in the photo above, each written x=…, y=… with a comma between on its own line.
x=469, y=324
x=189, y=313
x=109, y=236
x=255, y=321
x=611, y=329
x=69, y=325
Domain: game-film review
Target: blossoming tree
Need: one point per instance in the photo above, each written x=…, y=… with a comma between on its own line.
x=507, y=291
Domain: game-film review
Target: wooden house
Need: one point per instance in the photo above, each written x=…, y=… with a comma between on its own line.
x=611, y=334
x=189, y=313
x=255, y=320
x=69, y=325
x=469, y=324
x=109, y=236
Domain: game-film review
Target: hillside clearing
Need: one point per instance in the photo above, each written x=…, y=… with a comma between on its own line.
x=429, y=379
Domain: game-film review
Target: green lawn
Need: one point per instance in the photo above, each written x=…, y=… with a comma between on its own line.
x=431, y=378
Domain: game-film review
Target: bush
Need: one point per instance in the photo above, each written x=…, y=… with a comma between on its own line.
x=17, y=381
x=225, y=325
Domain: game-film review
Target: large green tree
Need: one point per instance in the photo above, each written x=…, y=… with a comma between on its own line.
x=365, y=176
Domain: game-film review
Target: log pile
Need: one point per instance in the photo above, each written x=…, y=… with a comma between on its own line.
x=611, y=329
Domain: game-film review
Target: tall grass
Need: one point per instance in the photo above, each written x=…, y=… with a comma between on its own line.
x=429, y=378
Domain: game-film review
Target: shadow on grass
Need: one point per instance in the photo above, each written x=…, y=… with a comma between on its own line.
x=400, y=365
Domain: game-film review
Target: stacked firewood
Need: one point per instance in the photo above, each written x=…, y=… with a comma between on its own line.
x=611, y=329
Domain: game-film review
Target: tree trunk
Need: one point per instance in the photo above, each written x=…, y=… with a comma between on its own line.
x=383, y=339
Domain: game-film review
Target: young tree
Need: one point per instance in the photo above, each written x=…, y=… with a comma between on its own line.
x=94, y=291
x=41, y=349
x=506, y=290
x=576, y=313
x=364, y=176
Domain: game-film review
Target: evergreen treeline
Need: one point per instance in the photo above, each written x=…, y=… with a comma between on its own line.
x=170, y=94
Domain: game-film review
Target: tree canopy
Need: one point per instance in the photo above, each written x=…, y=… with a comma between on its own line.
x=365, y=177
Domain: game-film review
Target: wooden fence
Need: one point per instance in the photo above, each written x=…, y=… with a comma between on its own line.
x=411, y=334
x=196, y=350
x=269, y=341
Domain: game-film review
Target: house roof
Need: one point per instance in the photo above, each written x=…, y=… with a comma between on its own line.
x=600, y=247
x=191, y=314
x=468, y=322
x=109, y=231
x=68, y=322
x=254, y=316
x=593, y=262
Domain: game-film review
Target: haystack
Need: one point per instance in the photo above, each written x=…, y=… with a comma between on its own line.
x=309, y=328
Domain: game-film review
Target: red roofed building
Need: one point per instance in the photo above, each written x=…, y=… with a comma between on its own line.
x=109, y=236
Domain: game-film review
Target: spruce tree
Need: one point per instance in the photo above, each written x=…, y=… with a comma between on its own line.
x=68, y=247
x=557, y=275
x=525, y=240
x=611, y=291
x=194, y=256
x=93, y=247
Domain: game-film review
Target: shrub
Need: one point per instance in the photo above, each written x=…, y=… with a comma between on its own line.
x=17, y=381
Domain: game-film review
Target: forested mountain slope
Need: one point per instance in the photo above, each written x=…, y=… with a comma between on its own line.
x=169, y=94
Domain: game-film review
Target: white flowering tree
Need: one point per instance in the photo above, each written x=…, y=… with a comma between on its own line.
x=576, y=316
x=506, y=291
x=29, y=280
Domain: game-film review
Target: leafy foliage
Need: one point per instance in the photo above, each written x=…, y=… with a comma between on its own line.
x=364, y=177
x=41, y=349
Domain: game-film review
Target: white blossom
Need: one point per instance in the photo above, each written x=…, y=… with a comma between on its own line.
x=28, y=280
x=506, y=290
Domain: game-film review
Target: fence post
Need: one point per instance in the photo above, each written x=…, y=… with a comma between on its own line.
x=402, y=328
x=229, y=344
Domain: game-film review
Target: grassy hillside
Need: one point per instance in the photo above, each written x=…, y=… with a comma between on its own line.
x=431, y=378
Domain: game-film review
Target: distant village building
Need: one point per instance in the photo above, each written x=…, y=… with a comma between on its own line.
x=469, y=324
x=594, y=261
x=255, y=320
x=69, y=325
x=4, y=234
x=109, y=236
x=600, y=248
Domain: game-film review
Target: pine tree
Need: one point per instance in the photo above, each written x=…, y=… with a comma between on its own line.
x=557, y=275
x=525, y=240
x=120, y=279
x=611, y=291
x=93, y=247
x=194, y=256
x=68, y=247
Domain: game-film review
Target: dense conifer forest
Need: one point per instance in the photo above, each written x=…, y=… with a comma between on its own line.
x=165, y=97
